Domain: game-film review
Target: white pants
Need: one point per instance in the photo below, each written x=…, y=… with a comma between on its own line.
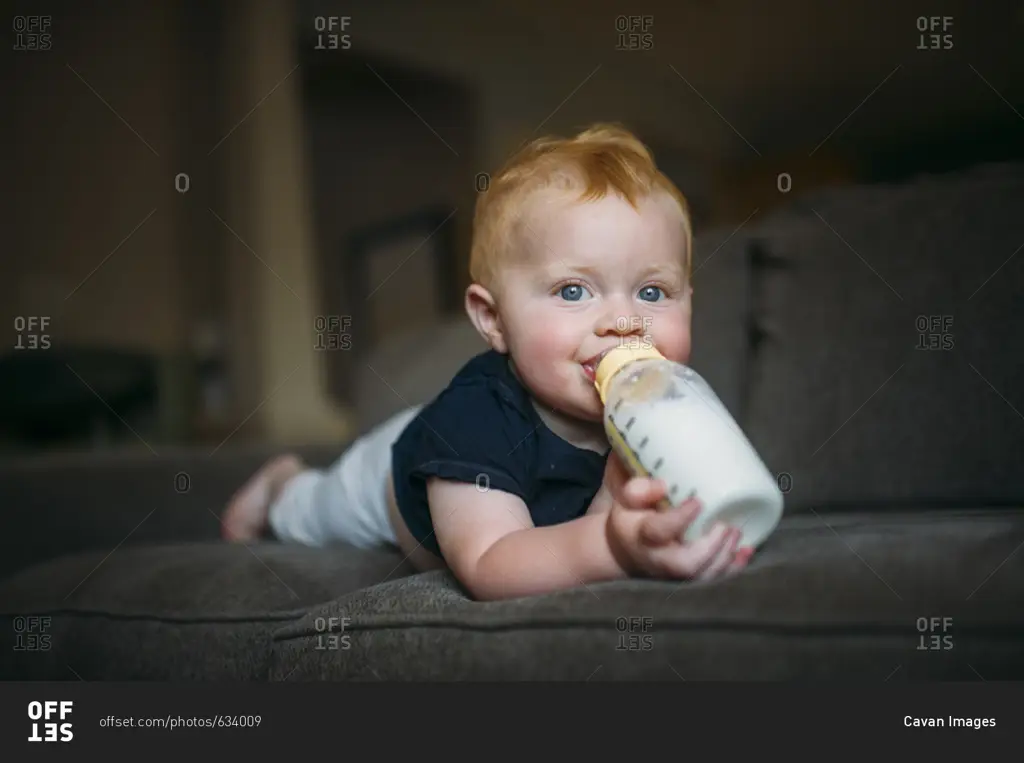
x=348, y=501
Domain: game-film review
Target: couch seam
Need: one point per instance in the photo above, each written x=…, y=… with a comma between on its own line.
x=1008, y=632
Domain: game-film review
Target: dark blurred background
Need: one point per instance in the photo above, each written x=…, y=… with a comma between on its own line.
x=218, y=213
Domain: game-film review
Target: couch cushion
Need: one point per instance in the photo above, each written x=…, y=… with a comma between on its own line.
x=891, y=369
x=203, y=611
x=412, y=368
x=58, y=504
x=930, y=595
x=721, y=311
x=902, y=597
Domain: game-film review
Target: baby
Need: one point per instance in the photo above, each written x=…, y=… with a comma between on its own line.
x=506, y=477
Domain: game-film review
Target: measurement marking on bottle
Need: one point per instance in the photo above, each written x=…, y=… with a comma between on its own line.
x=642, y=443
x=618, y=404
x=673, y=490
x=657, y=464
x=630, y=423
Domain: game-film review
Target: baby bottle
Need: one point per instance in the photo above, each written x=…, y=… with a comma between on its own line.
x=664, y=421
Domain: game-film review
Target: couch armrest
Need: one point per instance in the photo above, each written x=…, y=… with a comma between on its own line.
x=60, y=504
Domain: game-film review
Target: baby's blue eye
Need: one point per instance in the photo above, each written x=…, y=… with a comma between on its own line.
x=650, y=293
x=572, y=292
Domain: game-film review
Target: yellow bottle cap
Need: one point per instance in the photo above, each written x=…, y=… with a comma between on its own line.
x=616, y=358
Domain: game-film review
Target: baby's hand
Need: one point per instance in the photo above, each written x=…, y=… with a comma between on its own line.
x=648, y=539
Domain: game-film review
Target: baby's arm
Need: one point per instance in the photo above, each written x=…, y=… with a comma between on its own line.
x=491, y=545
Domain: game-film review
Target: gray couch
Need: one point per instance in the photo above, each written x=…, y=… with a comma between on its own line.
x=868, y=340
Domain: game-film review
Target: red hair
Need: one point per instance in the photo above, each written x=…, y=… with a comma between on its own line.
x=605, y=158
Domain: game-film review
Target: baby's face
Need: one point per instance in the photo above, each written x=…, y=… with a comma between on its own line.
x=598, y=275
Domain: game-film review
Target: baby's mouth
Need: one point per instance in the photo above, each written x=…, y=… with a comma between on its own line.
x=590, y=366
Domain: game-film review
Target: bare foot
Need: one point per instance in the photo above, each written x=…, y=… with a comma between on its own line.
x=246, y=515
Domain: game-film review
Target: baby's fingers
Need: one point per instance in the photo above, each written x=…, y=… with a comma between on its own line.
x=642, y=493
x=689, y=560
x=741, y=558
x=722, y=560
x=663, y=527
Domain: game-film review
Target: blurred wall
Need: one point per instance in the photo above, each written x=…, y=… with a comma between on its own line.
x=277, y=377
x=733, y=87
x=383, y=217
x=94, y=226
x=130, y=95
x=98, y=242
x=160, y=191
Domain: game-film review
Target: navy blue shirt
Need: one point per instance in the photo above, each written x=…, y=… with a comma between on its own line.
x=483, y=429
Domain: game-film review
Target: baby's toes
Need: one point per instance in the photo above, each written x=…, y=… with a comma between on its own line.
x=244, y=517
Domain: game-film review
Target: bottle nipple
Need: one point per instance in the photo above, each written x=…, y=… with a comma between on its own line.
x=614, y=360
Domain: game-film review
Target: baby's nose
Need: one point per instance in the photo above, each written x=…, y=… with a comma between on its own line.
x=621, y=322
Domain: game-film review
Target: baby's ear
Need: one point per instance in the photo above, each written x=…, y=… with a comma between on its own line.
x=483, y=312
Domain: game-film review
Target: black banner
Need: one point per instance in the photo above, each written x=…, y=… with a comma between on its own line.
x=43, y=719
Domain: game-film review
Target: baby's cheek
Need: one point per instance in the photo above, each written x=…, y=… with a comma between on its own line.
x=549, y=341
x=543, y=345
x=674, y=340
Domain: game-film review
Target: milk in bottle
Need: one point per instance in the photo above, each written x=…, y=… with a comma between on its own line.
x=664, y=421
